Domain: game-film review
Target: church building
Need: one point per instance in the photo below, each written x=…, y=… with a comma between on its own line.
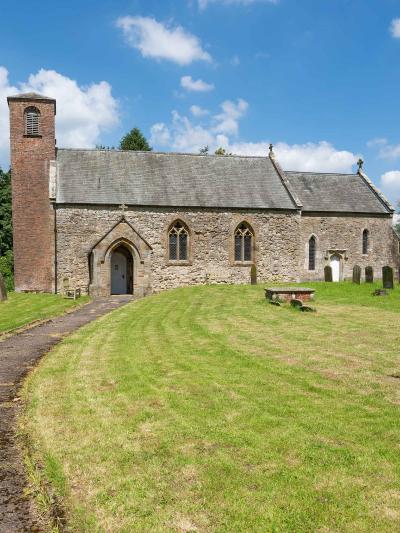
x=120, y=222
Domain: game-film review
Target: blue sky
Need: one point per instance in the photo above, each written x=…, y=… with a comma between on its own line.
x=319, y=78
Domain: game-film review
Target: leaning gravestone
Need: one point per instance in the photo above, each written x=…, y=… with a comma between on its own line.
x=253, y=275
x=357, y=274
x=387, y=277
x=369, y=275
x=328, y=273
x=3, y=290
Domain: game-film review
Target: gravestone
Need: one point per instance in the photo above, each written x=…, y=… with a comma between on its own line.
x=3, y=290
x=328, y=273
x=369, y=275
x=253, y=275
x=387, y=277
x=357, y=274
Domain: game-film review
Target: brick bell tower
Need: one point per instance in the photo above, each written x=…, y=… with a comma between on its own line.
x=32, y=139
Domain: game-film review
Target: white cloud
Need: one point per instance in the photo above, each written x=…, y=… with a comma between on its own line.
x=198, y=111
x=385, y=149
x=204, y=3
x=158, y=41
x=228, y=120
x=395, y=28
x=184, y=135
x=188, y=83
x=235, y=61
x=390, y=184
x=83, y=113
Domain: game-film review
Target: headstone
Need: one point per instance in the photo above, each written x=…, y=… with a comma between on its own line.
x=387, y=277
x=3, y=290
x=307, y=309
x=369, y=275
x=328, y=273
x=380, y=292
x=253, y=275
x=357, y=274
x=296, y=303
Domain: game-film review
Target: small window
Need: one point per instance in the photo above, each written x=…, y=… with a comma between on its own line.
x=244, y=243
x=178, y=241
x=312, y=249
x=32, y=116
x=365, y=242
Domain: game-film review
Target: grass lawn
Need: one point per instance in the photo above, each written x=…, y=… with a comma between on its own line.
x=207, y=409
x=21, y=309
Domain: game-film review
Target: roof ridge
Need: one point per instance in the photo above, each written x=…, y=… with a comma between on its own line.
x=316, y=173
x=151, y=152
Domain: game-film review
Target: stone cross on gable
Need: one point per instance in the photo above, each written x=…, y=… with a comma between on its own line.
x=123, y=208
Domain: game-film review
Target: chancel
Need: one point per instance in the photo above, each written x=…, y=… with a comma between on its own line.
x=123, y=222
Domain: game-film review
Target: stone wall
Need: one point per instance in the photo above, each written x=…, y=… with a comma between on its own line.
x=343, y=234
x=79, y=230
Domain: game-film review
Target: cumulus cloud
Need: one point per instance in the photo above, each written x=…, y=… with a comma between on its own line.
x=198, y=111
x=390, y=183
x=222, y=129
x=395, y=28
x=188, y=83
x=158, y=41
x=385, y=149
x=204, y=3
x=83, y=113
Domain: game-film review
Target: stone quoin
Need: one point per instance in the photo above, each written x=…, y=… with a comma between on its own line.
x=110, y=221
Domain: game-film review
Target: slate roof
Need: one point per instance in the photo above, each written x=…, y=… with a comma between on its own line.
x=342, y=193
x=188, y=180
x=158, y=179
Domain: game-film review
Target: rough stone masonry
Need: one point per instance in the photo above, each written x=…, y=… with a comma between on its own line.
x=108, y=221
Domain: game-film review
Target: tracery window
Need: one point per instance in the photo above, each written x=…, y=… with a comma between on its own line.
x=244, y=243
x=312, y=249
x=365, y=241
x=178, y=240
x=32, y=121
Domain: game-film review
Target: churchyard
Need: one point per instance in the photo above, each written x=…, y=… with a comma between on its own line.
x=208, y=409
x=20, y=309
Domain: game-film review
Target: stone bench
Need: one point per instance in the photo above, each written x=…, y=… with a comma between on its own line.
x=287, y=294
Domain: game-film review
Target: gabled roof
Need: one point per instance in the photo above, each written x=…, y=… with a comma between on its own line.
x=342, y=193
x=30, y=96
x=159, y=179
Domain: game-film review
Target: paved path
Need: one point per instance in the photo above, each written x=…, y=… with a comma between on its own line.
x=19, y=354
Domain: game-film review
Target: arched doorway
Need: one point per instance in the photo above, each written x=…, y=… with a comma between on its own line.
x=121, y=271
x=335, y=265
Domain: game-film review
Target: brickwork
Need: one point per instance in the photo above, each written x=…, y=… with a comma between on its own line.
x=33, y=223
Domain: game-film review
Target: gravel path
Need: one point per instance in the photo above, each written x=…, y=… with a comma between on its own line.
x=18, y=355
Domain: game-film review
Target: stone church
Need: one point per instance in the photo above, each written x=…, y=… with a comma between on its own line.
x=114, y=222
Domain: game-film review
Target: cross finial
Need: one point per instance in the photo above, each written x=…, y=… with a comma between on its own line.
x=271, y=150
x=360, y=164
x=123, y=208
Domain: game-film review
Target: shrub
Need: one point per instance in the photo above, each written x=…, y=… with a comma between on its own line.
x=7, y=269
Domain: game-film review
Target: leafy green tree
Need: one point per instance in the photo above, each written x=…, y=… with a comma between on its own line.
x=204, y=150
x=135, y=140
x=221, y=151
x=6, y=254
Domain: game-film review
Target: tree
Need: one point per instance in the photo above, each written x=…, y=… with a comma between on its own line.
x=136, y=141
x=6, y=253
x=221, y=151
x=397, y=225
x=204, y=150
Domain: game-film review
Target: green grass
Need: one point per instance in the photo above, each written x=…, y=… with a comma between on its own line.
x=207, y=409
x=21, y=309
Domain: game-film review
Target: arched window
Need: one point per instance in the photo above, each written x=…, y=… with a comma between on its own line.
x=244, y=243
x=365, y=241
x=312, y=249
x=178, y=241
x=32, y=121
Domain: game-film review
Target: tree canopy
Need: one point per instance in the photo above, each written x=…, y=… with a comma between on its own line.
x=136, y=141
x=6, y=253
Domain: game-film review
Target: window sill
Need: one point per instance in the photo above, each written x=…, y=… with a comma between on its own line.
x=179, y=263
x=243, y=263
x=32, y=136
